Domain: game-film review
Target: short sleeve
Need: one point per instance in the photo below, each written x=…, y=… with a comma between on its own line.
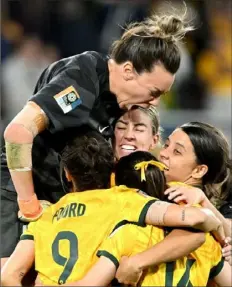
x=29, y=233
x=67, y=99
x=217, y=260
x=136, y=207
x=117, y=244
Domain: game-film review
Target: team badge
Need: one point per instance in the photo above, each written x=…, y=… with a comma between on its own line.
x=68, y=99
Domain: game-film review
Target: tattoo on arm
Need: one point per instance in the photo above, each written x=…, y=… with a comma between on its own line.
x=183, y=215
x=21, y=275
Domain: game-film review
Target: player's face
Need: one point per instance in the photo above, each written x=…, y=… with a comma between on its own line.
x=133, y=132
x=142, y=89
x=179, y=156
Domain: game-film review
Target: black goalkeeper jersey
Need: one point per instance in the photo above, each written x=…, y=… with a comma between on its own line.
x=74, y=94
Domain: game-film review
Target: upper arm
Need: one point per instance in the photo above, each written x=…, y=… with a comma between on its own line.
x=168, y=214
x=156, y=212
x=101, y=274
x=192, y=239
x=224, y=278
x=30, y=121
x=20, y=261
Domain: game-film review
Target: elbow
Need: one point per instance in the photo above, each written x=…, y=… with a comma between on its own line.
x=9, y=132
x=200, y=239
x=17, y=133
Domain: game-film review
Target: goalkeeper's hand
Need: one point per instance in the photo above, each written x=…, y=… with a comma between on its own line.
x=32, y=209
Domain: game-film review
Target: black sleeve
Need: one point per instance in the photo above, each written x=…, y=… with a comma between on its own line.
x=226, y=210
x=67, y=99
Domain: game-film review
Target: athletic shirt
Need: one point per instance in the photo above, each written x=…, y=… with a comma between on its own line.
x=74, y=94
x=70, y=232
x=196, y=269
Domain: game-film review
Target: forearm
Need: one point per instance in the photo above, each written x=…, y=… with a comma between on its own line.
x=101, y=274
x=11, y=282
x=19, y=263
x=162, y=213
x=19, y=136
x=177, y=244
x=165, y=214
x=19, y=159
x=225, y=222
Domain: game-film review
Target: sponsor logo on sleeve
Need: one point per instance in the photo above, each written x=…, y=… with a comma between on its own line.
x=68, y=99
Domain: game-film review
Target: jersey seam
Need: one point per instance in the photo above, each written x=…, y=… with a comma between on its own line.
x=108, y=255
x=27, y=237
x=144, y=211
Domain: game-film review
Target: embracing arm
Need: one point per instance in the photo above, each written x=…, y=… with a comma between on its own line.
x=192, y=195
x=225, y=222
x=177, y=244
x=167, y=214
x=101, y=274
x=19, y=136
x=18, y=264
x=224, y=278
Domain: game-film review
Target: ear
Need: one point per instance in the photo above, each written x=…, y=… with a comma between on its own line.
x=128, y=71
x=68, y=175
x=156, y=139
x=200, y=171
x=155, y=146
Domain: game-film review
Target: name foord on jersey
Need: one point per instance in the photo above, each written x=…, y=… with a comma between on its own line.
x=71, y=210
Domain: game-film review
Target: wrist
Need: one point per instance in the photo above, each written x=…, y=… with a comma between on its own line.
x=30, y=207
x=140, y=262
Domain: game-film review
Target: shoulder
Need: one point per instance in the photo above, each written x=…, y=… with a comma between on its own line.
x=85, y=62
x=92, y=58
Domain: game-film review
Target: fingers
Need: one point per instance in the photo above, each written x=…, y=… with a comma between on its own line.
x=171, y=189
x=179, y=199
x=227, y=251
x=228, y=240
x=174, y=194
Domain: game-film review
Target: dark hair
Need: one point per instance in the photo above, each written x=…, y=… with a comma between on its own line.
x=125, y=174
x=152, y=41
x=212, y=149
x=89, y=159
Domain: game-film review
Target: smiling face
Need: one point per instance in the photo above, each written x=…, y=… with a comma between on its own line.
x=133, y=132
x=179, y=156
x=142, y=89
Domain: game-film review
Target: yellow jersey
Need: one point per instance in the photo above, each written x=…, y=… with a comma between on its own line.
x=193, y=270
x=70, y=232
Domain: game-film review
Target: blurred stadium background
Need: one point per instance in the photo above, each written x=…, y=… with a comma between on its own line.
x=36, y=33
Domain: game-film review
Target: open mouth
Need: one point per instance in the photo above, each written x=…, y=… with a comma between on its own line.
x=128, y=147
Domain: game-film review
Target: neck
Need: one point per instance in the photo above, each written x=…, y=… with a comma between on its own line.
x=193, y=181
